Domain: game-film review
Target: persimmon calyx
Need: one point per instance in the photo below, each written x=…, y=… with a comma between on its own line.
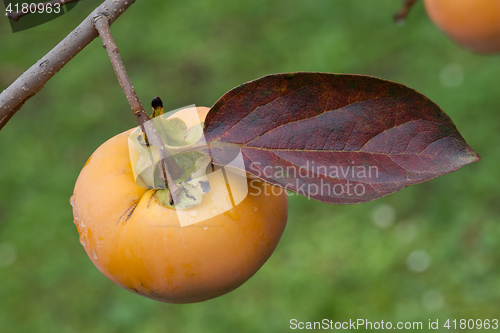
x=182, y=144
x=191, y=190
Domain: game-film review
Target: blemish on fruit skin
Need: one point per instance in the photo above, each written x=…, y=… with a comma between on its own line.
x=149, y=200
x=170, y=271
x=189, y=271
x=72, y=200
x=153, y=294
x=127, y=214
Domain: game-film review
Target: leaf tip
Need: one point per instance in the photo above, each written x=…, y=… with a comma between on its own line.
x=477, y=157
x=469, y=156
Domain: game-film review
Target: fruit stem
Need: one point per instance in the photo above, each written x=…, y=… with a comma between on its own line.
x=168, y=165
x=400, y=16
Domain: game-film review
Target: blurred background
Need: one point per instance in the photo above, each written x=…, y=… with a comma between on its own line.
x=427, y=252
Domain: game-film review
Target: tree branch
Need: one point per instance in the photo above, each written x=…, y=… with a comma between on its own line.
x=17, y=15
x=400, y=16
x=33, y=80
x=150, y=134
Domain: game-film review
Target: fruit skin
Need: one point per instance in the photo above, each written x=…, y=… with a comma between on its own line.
x=473, y=24
x=139, y=245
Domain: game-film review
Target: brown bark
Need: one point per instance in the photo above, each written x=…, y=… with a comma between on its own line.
x=33, y=80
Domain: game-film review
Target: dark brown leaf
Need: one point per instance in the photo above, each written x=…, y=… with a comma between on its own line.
x=335, y=138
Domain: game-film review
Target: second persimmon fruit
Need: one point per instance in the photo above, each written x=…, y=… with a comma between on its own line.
x=473, y=24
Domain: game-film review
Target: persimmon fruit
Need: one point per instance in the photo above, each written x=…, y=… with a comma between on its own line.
x=473, y=24
x=139, y=244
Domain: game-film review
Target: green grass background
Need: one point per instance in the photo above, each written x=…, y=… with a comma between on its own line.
x=332, y=262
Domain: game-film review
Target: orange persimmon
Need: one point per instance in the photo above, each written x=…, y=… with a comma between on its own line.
x=473, y=24
x=140, y=245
